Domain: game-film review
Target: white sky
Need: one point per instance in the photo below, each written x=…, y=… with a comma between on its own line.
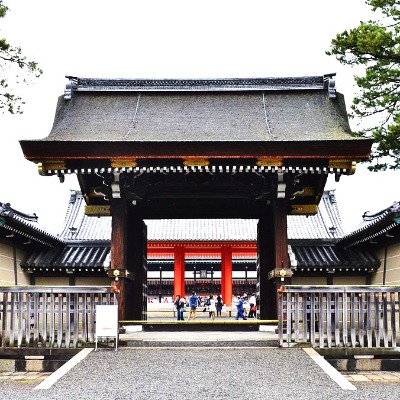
x=170, y=39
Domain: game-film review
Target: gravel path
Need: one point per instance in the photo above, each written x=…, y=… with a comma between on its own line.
x=197, y=373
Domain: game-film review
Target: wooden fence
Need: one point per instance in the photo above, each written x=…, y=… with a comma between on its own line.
x=337, y=316
x=54, y=317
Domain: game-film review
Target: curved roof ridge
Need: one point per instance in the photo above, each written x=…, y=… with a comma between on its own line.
x=6, y=209
x=190, y=84
x=393, y=208
x=26, y=225
x=375, y=223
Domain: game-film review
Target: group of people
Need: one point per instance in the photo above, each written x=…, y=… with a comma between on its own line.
x=214, y=306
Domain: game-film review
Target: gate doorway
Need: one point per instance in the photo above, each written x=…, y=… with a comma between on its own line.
x=206, y=256
x=271, y=231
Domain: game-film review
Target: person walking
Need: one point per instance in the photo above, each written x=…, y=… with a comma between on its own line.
x=219, y=305
x=207, y=306
x=252, y=302
x=179, y=305
x=240, y=309
x=212, y=308
x=193, y=303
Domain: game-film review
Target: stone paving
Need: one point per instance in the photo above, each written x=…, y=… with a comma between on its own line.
x=372, y=376
x=24, y=376
x=352, y=376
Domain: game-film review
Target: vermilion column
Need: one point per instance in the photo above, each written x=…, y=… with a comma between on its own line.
x=226, y=274
x=179, y=271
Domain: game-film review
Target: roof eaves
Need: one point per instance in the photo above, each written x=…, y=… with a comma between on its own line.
x=375, y=225
x=26, y=225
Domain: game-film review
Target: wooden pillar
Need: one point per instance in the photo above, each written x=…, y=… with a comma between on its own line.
x=118, y=252
x=179, y=271
x=128, y=261
x=273, y=260
x=137, y=265
x=265, y=263
x=226, y=274
x=280, y=234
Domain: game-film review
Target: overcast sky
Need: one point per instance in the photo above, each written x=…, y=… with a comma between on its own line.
x=170, y=39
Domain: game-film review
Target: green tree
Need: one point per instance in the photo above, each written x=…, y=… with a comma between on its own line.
x=12, y=57
x=374, y=45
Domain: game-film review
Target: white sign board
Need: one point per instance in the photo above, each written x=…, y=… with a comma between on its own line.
x=107, y=322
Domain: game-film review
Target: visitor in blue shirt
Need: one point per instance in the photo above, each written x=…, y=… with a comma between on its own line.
x=240, y=309
x=194, y=301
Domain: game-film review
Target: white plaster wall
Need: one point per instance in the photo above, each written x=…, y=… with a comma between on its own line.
x=7, y=273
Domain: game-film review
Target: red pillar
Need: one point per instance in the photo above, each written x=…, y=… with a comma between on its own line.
x=226, y=274
x=179, y=271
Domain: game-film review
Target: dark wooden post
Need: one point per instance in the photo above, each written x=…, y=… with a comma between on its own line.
x=265, y=263
x=118, y=253
x=273, y=260
x=137, y=265
x=129, y=261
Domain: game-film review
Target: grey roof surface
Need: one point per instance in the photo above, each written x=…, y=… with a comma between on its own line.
x=324, y=225
x=330, y=256
x=212, y=116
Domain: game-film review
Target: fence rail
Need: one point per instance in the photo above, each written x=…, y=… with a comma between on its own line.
x=337, y=316
x=54, y=317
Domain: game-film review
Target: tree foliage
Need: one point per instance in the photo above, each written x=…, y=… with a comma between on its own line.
x=375, y=46
x=11, y=57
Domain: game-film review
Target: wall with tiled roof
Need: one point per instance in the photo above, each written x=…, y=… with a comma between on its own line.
x=326, y=225
x=312, y=239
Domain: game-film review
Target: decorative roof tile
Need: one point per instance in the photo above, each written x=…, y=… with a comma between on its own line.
x=279, y=83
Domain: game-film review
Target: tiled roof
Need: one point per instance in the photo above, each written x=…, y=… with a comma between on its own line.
x=373, y=226
x=201, y=117
x=312, y=239
x=324, y=225
x=95, y=257
x=72, y=256
x=332, y=257
x=25, y=225
x=201, y=110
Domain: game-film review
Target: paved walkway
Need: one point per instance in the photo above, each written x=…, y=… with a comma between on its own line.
x=372, y=376
x=24, y=376
x=255, y=337
x=354, y=377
